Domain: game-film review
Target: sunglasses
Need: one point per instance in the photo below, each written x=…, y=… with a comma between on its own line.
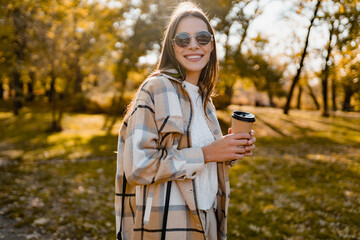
x=184, y=39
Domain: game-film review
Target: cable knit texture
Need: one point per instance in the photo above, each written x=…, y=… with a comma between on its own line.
x=206, y=181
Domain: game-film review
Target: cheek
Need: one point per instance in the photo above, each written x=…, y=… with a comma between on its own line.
x=208, y=51
x=177, y=53
x=211, y=47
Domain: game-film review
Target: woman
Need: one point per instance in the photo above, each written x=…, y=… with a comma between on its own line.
x=172, y=171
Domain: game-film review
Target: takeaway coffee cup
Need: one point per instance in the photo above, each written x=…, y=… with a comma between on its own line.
x=242, y=122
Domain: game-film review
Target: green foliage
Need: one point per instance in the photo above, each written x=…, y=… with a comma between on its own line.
x=71, y=47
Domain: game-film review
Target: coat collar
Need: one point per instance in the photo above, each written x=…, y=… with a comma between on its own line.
x=173, y=74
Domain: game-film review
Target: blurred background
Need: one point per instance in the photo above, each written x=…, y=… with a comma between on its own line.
x=68, y=69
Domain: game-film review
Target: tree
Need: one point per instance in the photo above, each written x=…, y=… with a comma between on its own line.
x=333, y=90
x=19, y=23
x=262, y=70
x=342, y=17
x=70, y=43
x=297, y=76
x=348, y=43
x=350, y=75
x=312, y=95
x=234, y=20
x=325, y=112
x=142, y=36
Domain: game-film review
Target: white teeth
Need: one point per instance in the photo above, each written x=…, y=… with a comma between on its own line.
x=194, y=57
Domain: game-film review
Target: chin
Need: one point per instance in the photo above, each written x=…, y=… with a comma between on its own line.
x=193, y=68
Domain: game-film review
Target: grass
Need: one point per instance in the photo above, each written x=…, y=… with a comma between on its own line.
x=302, y=182
x=60, y=184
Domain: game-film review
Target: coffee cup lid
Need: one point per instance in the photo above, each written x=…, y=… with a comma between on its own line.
x=243, y=116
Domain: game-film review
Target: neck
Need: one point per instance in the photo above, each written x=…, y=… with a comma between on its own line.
x=193, y=77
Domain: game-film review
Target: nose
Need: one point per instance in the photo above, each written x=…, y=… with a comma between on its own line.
x=193, y=43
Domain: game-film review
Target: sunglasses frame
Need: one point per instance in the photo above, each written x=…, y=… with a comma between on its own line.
x=193, y=36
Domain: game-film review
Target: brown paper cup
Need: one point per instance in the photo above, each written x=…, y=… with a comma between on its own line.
x=242, y=122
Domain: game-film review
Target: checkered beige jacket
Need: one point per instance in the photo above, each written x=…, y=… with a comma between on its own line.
x=154, y=153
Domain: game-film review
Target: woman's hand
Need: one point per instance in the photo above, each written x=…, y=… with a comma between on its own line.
x=251, y=146
x=230, y=147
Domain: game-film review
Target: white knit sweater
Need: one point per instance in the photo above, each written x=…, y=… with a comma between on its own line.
x=206, y=181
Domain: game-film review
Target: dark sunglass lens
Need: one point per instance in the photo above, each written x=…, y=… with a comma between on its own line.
x=182, y=39
x=203, y=37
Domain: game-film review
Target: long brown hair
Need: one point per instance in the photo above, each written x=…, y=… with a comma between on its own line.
x=209, y=74
x=168, y=61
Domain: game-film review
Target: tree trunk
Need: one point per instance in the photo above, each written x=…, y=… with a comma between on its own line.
x=19, y=46
x=52, y=91
x=243, y=36
x=325, y=112
x=347, y=98
x=114, y=104
x=1, y=90
x=30, y=86
x=297, y=76
x=298, y=105
x=11, y=89
x=271, y=98
x=78, y=78
x=313, y=97
x=55, y=123
x=77, y=68
x=17, y=103
x=333, y=95
x=229, y=92
x=115, y=116
x=59, y=105
x=53, y=98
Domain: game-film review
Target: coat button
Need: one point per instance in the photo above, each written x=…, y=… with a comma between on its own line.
x=216, y=131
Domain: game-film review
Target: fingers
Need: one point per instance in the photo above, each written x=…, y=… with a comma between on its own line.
x=251, y=140
x=239, y=156
x=241, y=135
x=239, y=142
x=249, y=148
x=239, y=150
x=235, y=146
x=239, y=139
x=244, y=143
x=248, y=154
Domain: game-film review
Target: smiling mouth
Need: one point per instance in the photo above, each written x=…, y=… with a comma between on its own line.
x=193, y=57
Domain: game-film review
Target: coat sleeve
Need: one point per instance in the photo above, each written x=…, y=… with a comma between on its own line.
x=151, y=151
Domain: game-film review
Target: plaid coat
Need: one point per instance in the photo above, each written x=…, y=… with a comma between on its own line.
x=154, y=153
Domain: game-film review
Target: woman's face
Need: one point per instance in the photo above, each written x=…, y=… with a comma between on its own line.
x=194, y=57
